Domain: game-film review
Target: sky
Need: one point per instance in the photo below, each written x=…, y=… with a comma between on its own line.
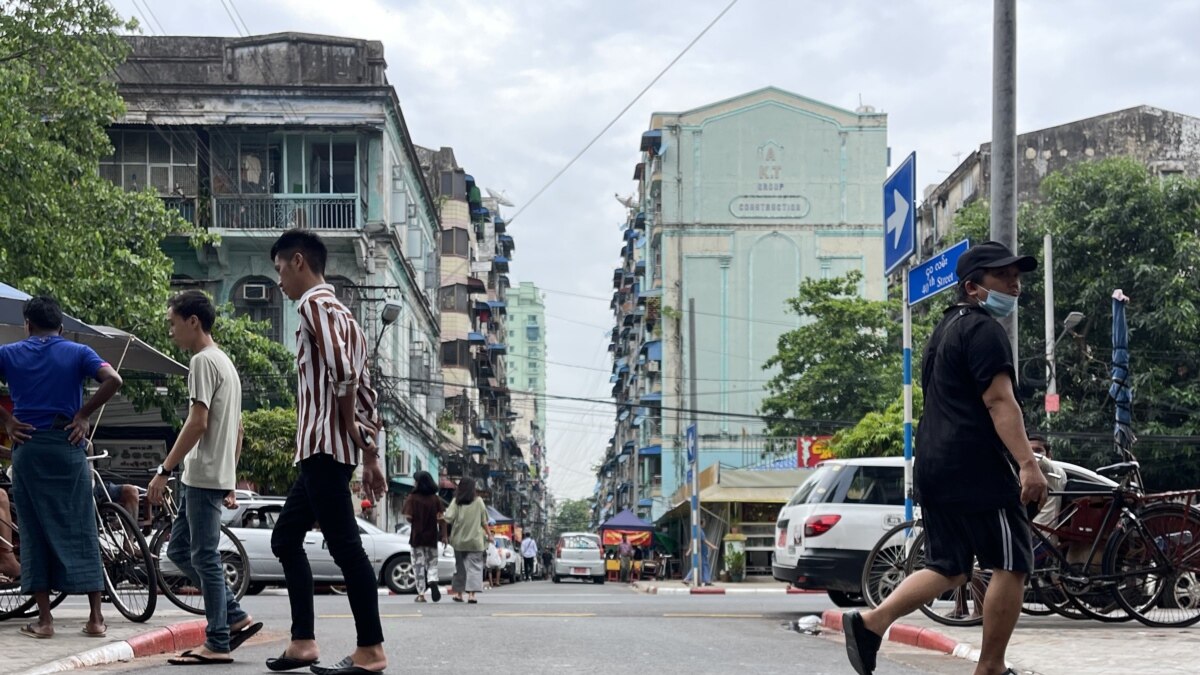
x=518, y=87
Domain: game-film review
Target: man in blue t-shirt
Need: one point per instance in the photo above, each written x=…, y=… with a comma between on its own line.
x=52, y=488
x=975, y=470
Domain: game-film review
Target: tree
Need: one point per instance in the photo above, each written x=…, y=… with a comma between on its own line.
x=1115, y=225
x=877, y=434
x=269, y=450
x=845, y=362
x=572, y=515
x=68, y=232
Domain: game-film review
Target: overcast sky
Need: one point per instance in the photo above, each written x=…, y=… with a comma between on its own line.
x=518, y=87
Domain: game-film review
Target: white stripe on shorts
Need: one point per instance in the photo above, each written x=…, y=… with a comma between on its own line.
x=1006, y=534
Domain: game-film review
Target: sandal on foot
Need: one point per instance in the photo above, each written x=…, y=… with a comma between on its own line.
x=862, y=645
x=190, y=658
x=239, y=638
x=30, y=630
x=103, y=632
x=435, y=592
x=285, y=662
x=344, y=667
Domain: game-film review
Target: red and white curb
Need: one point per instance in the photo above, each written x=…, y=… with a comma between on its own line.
x=167, y=639
x=913, y=636
x=719, y=590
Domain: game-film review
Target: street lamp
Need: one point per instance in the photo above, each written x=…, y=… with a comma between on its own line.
x=1073, y=319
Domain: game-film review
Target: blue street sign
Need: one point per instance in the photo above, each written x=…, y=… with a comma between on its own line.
x=691, y=443
x=900, y=215
x=936, y=274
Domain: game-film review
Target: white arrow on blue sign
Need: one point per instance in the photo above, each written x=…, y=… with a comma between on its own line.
x=900, y=215
x=936, y=274
x=691, y=443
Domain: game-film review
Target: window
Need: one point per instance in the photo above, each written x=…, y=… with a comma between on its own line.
x=531, y=320
x=533, y=333
x=532, y=383
x=453, y=298
x=533, y=366
x=259, y=298
x=456, y=241
x=331, y=165
x=533, y=352
x=456, y=353
x=454, y=185
x=283, y=164
x=164, y=161
x=816, y=490
x=882, y=485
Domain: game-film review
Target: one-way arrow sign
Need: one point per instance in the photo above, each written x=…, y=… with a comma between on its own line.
x=899, y=215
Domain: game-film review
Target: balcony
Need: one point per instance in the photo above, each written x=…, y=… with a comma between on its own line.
x=184, y=206
x=283, y=212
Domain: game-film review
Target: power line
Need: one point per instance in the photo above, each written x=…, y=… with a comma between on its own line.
x=623, y=111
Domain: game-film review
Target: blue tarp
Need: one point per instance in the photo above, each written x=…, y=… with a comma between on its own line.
x=476, y=337
x=655, y=397
x=645, y=502
x=650, y=450
x=476, y=449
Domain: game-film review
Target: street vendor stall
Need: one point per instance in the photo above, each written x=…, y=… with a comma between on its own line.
x=640, y=532
x=501, y=524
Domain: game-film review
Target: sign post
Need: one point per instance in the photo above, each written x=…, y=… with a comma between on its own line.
x=899, y=245
x=694, y=475
x=922, y=282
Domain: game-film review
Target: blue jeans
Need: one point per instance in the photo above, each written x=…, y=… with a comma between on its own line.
x=195, y=536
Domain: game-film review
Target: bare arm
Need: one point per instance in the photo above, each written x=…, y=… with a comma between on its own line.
x=191, y=433
x=1002, y=404
x=110, y=383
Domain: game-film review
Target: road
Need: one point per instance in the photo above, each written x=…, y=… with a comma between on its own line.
x=541, y=627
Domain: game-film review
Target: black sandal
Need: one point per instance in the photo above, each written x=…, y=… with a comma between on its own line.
x=239, y=638
x=190, y=658
x=285, y=662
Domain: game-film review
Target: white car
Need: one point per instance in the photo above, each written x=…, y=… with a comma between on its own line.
x=826, y=531
x=578, y=555
x=513, y=563
x=391, y=556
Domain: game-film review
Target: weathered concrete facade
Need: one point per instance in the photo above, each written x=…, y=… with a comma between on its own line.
x=1167, y=143
x=247, y=137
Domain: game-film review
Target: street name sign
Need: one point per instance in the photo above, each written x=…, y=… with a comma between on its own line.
x=936, y=274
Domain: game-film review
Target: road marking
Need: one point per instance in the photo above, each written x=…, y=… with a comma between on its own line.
x=382, y=616
x=551, y=615
x=712, y=616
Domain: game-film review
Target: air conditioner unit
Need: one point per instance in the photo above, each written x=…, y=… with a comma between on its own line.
x=256, y=292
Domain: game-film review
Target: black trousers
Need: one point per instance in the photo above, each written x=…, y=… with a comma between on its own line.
x=322, y=495
x=528, y=568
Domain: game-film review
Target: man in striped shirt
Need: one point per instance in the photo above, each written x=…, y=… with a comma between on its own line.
x=337, y=422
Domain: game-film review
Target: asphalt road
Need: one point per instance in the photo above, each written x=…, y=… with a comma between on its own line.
x=541, y=627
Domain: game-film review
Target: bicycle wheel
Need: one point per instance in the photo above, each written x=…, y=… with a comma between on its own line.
x=14, y=603
x=1156, y=559
x=888, y=561
x=961, y=606
x=56, y=598
x=129, y=575
x=181, y=590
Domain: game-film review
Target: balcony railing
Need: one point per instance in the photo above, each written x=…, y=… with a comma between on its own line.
x=185, y=206
x=282, y=212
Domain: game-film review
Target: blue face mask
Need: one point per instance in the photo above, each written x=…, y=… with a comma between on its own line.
x=998, y=304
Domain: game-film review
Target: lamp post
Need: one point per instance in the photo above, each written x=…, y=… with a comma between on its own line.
x=1073, y=319
x=387, y=316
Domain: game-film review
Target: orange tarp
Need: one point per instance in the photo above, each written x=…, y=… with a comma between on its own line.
x=613, y=537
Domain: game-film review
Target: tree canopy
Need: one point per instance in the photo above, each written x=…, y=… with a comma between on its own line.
x=571, y=515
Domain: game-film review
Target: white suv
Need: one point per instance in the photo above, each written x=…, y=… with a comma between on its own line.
x=824, y=534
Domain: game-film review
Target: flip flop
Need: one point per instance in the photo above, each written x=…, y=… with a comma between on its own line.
x=190, y=658
x=103, y=633
x=285, y=662
x=436, y=592
x=456, y=598
x=30, y=630
x=237, y=639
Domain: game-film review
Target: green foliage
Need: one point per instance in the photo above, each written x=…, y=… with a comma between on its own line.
x=735, y=562
x=843, y=363
x=877, y=434
x=572, y=515
x=66, y=231
x=269, y=449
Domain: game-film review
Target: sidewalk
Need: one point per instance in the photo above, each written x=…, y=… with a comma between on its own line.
x=1056, y=646
x=751, y=586
x=168, y=630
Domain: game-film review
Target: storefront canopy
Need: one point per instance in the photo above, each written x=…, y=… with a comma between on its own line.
x=626, y=520
x=497, y=517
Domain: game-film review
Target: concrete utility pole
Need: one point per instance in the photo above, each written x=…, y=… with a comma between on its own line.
x=465, y=412
x=1004, y=137
x=697, y=551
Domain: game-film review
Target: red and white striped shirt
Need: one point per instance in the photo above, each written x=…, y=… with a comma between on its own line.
x=332, y=356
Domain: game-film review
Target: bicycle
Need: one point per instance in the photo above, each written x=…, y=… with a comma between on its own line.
x=130, y=584
x=176, y=585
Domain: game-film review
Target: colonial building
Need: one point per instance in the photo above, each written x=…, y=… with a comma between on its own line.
x=247, y=137
x=735, y=203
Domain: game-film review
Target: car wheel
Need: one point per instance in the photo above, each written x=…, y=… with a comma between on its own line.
x=556, y=579
x=599, y=579
x=255, y=588
x=843, y=599
x=398, y=575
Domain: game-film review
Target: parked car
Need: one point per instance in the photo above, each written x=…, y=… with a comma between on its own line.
x=511, y=558
x=826, y=531
x=390, y=555
x=578, y=555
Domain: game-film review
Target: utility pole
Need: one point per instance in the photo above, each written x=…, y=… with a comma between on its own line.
x=465, y=415
x=1004, y=138
x=1051, y=379
x=697, y=553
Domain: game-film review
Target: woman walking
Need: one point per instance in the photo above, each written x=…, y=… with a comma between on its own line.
x=424, y=509
x=467, y=517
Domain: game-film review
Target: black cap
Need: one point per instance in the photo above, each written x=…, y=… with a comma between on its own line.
x=991, y=255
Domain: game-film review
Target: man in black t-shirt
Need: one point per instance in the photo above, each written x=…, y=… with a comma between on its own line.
x=975, y=470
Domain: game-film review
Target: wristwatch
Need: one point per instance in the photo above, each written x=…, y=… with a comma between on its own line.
x=162, y=471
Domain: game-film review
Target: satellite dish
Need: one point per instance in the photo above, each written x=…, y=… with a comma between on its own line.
x=628, y=202
x=499, y=197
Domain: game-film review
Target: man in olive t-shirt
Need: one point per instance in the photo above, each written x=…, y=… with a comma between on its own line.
x=208, y=447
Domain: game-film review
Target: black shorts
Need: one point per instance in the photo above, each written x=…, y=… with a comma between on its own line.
x=998, y=539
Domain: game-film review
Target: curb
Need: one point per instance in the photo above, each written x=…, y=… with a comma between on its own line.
x=715, y=590
x=913, y=636
x=172, y=638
